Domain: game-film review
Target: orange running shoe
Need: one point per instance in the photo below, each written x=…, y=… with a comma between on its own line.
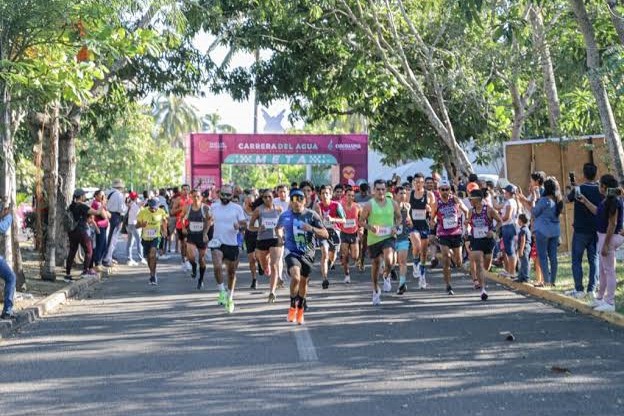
x=292, y=314
x=300, y=316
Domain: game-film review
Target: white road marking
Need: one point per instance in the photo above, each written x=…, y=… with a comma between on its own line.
x=305, y=346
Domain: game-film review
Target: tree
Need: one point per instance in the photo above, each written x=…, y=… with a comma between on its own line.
x=175, y=119
x=212, y=123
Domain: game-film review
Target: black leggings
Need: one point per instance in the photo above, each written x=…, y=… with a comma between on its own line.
x=79, y=237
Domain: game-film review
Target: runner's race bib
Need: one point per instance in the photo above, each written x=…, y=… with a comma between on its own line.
x=269, y=223
x=328, y=224
x=449, y=223
x=150, y=233
x=384, y=231
x=419, y=214
x=480, y=232
x=350, y=223
x=196, y=226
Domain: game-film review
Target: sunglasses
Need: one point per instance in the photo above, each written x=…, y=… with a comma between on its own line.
x=445, y=189
x=297, y=198
x=226, y=195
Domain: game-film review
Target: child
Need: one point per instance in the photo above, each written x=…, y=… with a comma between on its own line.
x=524, y=248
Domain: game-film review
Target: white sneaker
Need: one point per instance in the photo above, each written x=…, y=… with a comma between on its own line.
x=605, y=307
x=347, y=279
x=376, y=298
x=186, y=266
x=387, y=285
x=575, y=294
x=422, y=283
x=596, y=302
x=416, y=271
x=132, y=263
x=143, y=261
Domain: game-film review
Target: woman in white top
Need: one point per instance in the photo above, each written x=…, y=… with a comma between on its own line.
x=509, y=216
x=133, y=233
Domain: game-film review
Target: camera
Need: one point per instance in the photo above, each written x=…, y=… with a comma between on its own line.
x=572, y=177
x=614, y=191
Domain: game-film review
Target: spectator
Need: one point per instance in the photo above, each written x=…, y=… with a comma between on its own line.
x=6, y=273
x=584, y=237
x=116, y=205
x=524, y=248
x=547, y=229
x=609, y=227
x=536, y=190
x=79, y=235
x=102, y=222
x=509, y=217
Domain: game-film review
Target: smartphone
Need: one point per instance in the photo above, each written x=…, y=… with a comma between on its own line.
x=577, y=192
x=572, y=177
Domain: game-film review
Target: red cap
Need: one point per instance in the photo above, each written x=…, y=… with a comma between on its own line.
x=133, y=195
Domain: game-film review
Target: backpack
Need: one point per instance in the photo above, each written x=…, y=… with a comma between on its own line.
x=69, y=221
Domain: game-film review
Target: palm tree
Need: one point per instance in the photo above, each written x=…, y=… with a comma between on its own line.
x=175, y=118
x=210, y=123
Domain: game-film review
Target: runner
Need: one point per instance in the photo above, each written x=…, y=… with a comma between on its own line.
x=420, y=208
x=380, y=216
x=282, y=201
x=481, y=224
x=403, y=237
x=178, y=209
x=153, y=221
x=228, y=218
x=308, y=190
x=196, y=233
x=267, y=251
x=350, y=233
x=332, y=213
x=445, y=210
x=361, y=198
x=297, y=227
x=338, y=193
x=251, y=236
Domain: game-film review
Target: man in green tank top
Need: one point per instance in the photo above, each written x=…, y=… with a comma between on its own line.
x=381, y=217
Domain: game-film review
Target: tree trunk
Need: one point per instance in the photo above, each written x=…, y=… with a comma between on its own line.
x=616, y=19
x=548, y=72
x=607, y=119
x=66, y=185
x=50, y=180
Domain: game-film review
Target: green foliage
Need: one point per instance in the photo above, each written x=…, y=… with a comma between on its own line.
x=131, y=154
x=264, y=176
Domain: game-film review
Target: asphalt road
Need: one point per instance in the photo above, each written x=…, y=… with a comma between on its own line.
x=132, y=349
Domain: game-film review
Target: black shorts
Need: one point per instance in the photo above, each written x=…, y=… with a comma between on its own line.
x=377, y=249
x=150, y=244
x=230, y=253
x=346, y=238
x=181, y=235
x=303, y=262
x=251, y=238
x=451, y=241
x=197, y=242
x=424, y=232
x=486, y=245
x=265, y=245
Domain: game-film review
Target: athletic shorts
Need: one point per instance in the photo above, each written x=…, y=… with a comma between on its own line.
x=402, y=245
x=377, y=249
x=197, y=242
x=451, y=241
x=230, y=253
x=150, y=244
x=424, y=232
x=332, y=242
x=251, y=238
x=348, y=238
x=486, y=245
x=303, y=262
x=265, y=245
x=181, y=235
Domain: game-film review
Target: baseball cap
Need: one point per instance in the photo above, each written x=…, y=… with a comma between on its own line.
x=296, y=192
x=79, y=192
x=471, y=187
x=444, y=183
x=133, y=195
x=510, y=188
x=153, y=203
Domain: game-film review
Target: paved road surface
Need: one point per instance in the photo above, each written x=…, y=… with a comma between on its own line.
x=131, y=349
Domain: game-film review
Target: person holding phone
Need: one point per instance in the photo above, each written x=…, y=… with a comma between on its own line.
x=584, y=237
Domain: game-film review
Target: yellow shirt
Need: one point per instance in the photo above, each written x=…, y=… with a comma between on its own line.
x=154, y=222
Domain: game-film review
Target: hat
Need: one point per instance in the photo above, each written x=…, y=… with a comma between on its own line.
x=117, y=183
x=79, y=192
x=153, y=203
x=471, y=187
x=444, y=183
x=296, y=192
x=133, y=195
x=510, y=188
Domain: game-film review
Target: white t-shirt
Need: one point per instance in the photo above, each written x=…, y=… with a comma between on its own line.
x=225, y=216
x=513, y=213
x=283, y=204
x=133, y=211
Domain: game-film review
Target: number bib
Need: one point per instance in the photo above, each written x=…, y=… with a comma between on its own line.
x=449, y=223
x=480, y=232
x=350, y=223
x=328, y=224
x=384, y=231
x=196, y=226
x=419, y=214
x=269, y=223
x=150, y=233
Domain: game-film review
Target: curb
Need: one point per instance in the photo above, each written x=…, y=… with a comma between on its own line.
x=46, y=305
x=559, y=299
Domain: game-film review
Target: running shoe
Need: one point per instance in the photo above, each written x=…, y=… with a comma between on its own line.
x=596, y=302
x=387, y=284
x=132, y=263
x=393, y=275
x=292, y=315
x=325, y=284
x=229, y=305
x=422, y=283
x=402, y=289
x=67, y=278
x=484, y=296
x=254, y=284
x=271, y=297
x=377, y=298
x=193, y=275
x=152, y=281
x=347, y=279
x=222, y=298
x=605, y=307
x=280, y=283
x=300, y=320
x=200, y=284
x=143, y=262
x=449, y=290
x=416, y=271
x=186, y=266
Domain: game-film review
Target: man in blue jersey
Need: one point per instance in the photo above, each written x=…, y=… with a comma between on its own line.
x=297, y=227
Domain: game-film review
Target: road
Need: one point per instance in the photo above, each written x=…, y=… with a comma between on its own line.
x=133, y=349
